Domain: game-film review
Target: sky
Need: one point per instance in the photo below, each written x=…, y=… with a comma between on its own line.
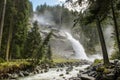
x=48, y=2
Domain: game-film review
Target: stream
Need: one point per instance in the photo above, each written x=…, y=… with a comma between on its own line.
x=53, y=74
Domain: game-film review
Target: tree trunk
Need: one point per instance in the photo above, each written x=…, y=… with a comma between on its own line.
x=116, y=26
x=9, y=40
x=103, y=45
x=2, y=22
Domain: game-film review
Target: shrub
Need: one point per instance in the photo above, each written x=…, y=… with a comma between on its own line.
x=2, y=60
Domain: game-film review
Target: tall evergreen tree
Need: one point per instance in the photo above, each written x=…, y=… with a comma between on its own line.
x=15, y=28
x=11, y=26
x=112, y=2
x=20, y=28
x=49, y=53
x=2, y=22
x=43, y=50
x=33, y=42
x=98, y=11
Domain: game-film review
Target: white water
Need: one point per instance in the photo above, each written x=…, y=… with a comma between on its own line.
x=77, y=46
x=52, y=74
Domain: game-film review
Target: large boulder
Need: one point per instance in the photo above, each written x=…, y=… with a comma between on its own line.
x=86, y=77
x=75, y=78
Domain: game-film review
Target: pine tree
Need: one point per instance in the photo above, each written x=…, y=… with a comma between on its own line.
x=33, y=42
x=2, y=22
x=98, y=11
x=15, y=28
x=20, y=28
x=49, y=53
x=44, y=48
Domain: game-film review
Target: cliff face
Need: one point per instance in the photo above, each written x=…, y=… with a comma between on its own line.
x=59, y=42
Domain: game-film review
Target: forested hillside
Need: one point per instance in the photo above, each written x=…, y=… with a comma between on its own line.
x=15, y=28
x=61, y=17
x=19, y=40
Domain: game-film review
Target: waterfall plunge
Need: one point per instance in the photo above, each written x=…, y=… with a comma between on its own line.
x=78, y=48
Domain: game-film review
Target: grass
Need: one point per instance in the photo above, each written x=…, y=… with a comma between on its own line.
x=24, y=62
x=63, y=60
x=11, y=64
x=97, y=61
x=57, y=58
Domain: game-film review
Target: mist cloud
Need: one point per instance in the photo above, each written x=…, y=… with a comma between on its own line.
x=44, y=19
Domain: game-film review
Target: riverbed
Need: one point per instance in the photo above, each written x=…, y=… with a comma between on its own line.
x=56, y=74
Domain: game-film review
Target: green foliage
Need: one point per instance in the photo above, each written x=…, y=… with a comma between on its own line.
x=59, y=14
x=17, y=14
x=17, y=50
x=20, y=27
x=33, y=42
x=44, y=52
x=2, y=60
x=7, y=66
x=106, y=71
x=28, y=44
x=1, y=8
x=35, y=47
x=101, y=69
x=115, y=55
x=49, y=53
x=97, y=61
x=63, y=60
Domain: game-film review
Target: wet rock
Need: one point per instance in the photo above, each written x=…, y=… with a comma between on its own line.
x=57, y=70
x=118, y=64
x=38, y=68
x=9, y=74
x=35, y=72
x=116, y=61
x=86, y=77
x=31, y=74
x=47, y=66
x=86, y=72
x=61, y=75
x=26, y=73
x=77, y=64
x=99, y=76
x=75, y=78
x=54, y=78
x=118, y=78
x=79, y=75
x=92, y=73
x=46, y=70
x=67, y=72
x=41, y=71
x=81, y=71
x=61, y=69
x=110, y=76
x=117, y=69
x=21, y=74
x=69, y=68
x=14, y=76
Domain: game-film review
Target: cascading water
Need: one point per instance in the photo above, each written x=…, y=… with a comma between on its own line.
x=78, y=48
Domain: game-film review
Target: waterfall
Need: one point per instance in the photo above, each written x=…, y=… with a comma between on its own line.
x=77, y=46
